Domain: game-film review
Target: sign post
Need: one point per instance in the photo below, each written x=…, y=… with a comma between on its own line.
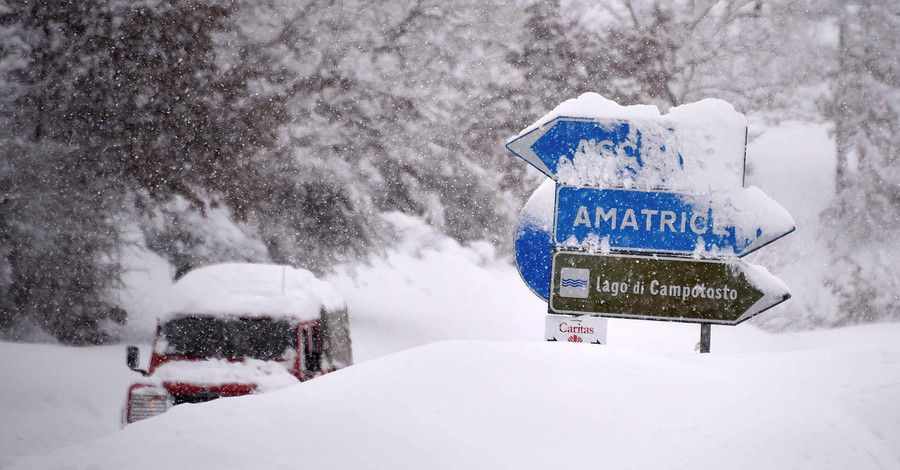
x=705, y=333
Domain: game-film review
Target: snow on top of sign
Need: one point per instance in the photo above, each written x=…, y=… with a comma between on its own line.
x=749, y=214
x=595, y=106
x=696, y=147
x=765, y=281
x=750, y=209
x=712, y=138
x=252, y=289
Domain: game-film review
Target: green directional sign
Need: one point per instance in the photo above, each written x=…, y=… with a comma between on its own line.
x=661, y=288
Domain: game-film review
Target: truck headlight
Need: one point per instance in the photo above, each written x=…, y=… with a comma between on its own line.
x=146, y=401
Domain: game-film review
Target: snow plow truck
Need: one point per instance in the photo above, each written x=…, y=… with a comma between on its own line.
x=237, y=329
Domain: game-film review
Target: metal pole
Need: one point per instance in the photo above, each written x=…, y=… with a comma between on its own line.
x=705, y=333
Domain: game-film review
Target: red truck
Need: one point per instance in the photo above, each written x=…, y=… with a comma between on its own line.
x=236, y=329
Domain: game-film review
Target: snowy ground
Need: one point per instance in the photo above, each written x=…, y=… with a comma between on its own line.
x=495, y=395
x=815, y=400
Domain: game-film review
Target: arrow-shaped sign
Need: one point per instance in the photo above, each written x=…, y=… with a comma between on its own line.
x=546, y=146
x=673, y=289
x=728, y=223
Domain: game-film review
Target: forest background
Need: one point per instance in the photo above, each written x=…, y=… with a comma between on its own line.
x=281, y=131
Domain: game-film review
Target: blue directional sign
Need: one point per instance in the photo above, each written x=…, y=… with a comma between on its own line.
x=562, y=137
x=534, y=240
x=589, y=245
x=658, y=222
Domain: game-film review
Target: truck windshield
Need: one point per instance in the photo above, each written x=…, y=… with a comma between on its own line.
x=213, y=337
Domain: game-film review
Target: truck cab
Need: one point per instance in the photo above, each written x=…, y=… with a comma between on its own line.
x=237, y=329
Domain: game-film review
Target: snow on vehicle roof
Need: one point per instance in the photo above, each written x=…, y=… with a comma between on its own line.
x=251, y=289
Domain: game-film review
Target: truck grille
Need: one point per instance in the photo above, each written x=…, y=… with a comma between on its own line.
x=199, y=397
x=147, y=402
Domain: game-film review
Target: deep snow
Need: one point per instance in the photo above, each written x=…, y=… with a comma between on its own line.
x=498, y=396
x=818, y=400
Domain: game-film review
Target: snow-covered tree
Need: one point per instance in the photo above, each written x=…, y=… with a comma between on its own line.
x=59, y=245
x=865, y=108
x=58, y=236
x=389, y=95
x=112, y=99
x=758, y=55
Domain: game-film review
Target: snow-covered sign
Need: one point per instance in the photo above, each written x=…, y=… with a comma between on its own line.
x=660, y=288
x=631, y=180
x=728, y=223
x=592, y=141
x=558, y=141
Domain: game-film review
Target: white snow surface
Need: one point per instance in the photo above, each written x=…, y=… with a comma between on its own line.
x=264, y=375
x=823, y=400
x=251, y=289
x=749, y=209
x=744, y=211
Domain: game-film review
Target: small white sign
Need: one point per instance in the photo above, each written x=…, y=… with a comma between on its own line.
x=576, y=329
x=574, y=282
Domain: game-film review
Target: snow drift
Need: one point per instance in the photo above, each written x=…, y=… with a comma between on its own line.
x=547, y=405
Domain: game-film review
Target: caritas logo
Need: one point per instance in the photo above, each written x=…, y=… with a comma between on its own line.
x=575, y=329
x=567, y=328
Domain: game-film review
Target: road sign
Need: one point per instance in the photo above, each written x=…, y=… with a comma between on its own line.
x=545, y=146
x=534, y=240
x=658, y=288
x=576, y=329
x=668, y=222
x=619, y=236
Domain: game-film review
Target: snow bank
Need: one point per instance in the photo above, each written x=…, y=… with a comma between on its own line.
x=56, y=395
x=785, y=396
x=431, y=288
x=821, y=402
x=824, y=399
x=252, y=289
